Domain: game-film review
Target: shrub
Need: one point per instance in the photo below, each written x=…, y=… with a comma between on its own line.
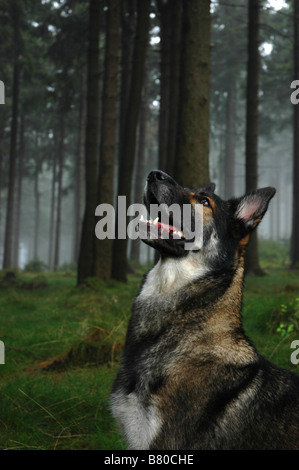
x=35, y=266
x=290, y=318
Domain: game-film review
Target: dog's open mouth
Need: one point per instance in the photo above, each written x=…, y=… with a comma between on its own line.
x=155, y=229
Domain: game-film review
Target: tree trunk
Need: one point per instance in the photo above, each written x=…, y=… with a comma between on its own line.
x=252, y=259
x=37, y=211
x=126, y=164
x=230, y=140
x=59, y=192
x=295, y=215
x=19, y=192
x=86, y=254
x=140, y=160
x=128, y=21
x=192, y=159
x=103, y=248
x=174, y=85
x=8, y=242
x=52, y=212
x=1, y=182
x=79, y=175
x=165, y=80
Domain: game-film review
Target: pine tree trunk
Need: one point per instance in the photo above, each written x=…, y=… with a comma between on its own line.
x=37, y=212
x=59, y=192
x=252, y=259
x=1, y=183
x=79, y=175
x=52, y=213
x=295, y=214
x=8, y=242
x=103, y=248
x=86, y=253
x=127, y=46
x=119, y=266
x=165, y=80
x=230, y=140
x=174, y=86
x=192, y=159
x=19, y=192
x=140, y=160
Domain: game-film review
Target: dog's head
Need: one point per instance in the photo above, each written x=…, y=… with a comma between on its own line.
x=178, y=214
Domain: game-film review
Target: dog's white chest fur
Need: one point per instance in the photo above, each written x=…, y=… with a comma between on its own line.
x=172, y=274
x=140, y=425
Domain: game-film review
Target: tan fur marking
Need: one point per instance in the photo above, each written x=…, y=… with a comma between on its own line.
x=244, y=241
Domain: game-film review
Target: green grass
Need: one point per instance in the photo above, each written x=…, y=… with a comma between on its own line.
x=63, y=345
x=44, y=407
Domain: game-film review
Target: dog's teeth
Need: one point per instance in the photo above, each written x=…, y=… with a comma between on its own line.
x=156, y=221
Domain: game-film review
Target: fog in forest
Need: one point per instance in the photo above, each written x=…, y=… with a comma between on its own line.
x=51, y=86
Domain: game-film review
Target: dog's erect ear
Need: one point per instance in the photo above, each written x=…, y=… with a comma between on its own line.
x=210, y=187
x=251, y=208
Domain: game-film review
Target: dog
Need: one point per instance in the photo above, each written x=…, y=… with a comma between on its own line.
x=189, y=377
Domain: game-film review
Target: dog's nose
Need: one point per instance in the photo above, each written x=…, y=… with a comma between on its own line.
x=157, y=175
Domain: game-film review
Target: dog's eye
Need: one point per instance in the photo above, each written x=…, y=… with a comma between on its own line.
x=204, y=201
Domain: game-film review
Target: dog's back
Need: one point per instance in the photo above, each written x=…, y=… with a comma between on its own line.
x=189, y=376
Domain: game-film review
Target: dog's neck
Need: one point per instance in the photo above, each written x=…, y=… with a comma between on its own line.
x=211, y=302
x=170, y=275
x=223, y=326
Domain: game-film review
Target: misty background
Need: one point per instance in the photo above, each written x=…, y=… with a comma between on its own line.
x=53, y=44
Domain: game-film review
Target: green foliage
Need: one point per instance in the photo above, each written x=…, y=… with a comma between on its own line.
x=35, y=266
x=67, y=267
x=290, y=314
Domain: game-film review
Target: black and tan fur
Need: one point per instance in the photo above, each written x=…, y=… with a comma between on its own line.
x=189, y=377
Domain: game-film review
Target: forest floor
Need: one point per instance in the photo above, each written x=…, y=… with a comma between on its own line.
x=63, y=344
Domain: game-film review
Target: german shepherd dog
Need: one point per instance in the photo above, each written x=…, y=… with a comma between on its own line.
x=189, y=377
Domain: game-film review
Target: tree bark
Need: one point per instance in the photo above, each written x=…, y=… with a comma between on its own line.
x=126, y=164
x=59, y=191
x=86, y=254
x=18, y=201
x=103, y=248
x=140, y=161
x=37, y=210
x=128, y=27
x=295, y=213
x=230, y=139
x=165, y=80
x=252, y=265
x=79, y=175
x=192, y=159
x=52, y=212
x=8, y=242
x=174, y=85
x=1, y=181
